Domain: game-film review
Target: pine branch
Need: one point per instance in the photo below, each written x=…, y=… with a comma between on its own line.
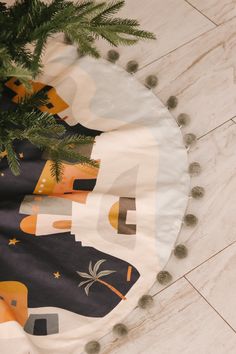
x=33, y=21
x=24, y=75
x=43, y=131
x=28, y=24
x=77, y=140
x=12, y=159
x=56, y=169
x=109, y=10
x=90, y=10
x=5, y=57
x=84, y=40
x=33, y=100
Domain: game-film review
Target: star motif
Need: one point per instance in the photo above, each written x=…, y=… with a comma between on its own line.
x=21, y=155
x=56, y=275
x=13, y=241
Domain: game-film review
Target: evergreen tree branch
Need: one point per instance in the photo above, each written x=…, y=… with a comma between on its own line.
x=12, y=159
x=56, y=169
x=33, y=22
x=25, y=28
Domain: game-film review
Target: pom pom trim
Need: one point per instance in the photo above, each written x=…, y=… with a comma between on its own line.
x=183, y=119
x=92, y=347
x=120, y=330
x=112, y=55
x=190, y=220
x=189, y=139
x=172, y=102
x=180, y=251
x=194, y=169
x=164, y=277
x=197, y=192
x=145, y=301
x=132, y=66
x=151, y=81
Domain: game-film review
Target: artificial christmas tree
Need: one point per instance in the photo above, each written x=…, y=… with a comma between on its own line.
x=25, y=29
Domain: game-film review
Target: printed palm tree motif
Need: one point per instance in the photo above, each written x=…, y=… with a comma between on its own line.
x=94, y=276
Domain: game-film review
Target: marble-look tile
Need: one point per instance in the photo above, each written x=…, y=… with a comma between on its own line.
x=216, y=281
x=181, y=322
x=218, y=11
x=202, y=75
x=163, y=19
x=173, y=21
x=216, y=211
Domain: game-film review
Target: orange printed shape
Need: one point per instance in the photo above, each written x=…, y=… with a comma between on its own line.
x=112, y=288
x=47, y=185
x=62, y=224
x=57, y=103
x=13, y=302
x=3, y=154
x=14, y=85
x=114, y=215
x=28, y=224
x=54, y=100
x=78, y=196
x=129, y=272
x=71, y=173
x=46, y=182
x=20, y=89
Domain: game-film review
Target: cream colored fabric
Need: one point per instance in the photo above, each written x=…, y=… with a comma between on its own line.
x=141, y=155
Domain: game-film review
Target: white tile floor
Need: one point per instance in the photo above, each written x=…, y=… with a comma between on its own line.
x=218, y=11
x=195, y=59
x=165, y=19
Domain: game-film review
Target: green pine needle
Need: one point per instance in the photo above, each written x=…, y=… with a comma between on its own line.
x=12, y=159
x=25, y=28
x=57, y=170
x=33, y=22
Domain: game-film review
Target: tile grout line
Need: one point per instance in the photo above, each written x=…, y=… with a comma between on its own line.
x=194, y=268
x=218, y=126
x=167, y=286
x=173, y=50
x=194, y=7
x=206, y=260
x=214, y=309
x=184, y=276
x=216, y=24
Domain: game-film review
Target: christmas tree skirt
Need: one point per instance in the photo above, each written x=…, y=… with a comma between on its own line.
x=77, y=255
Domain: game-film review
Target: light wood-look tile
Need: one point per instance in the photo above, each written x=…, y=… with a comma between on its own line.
x=173, y=21
x=216, y=281
x=216, y=211
x=202, y=75
x=218, y=11
x=181, y=322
